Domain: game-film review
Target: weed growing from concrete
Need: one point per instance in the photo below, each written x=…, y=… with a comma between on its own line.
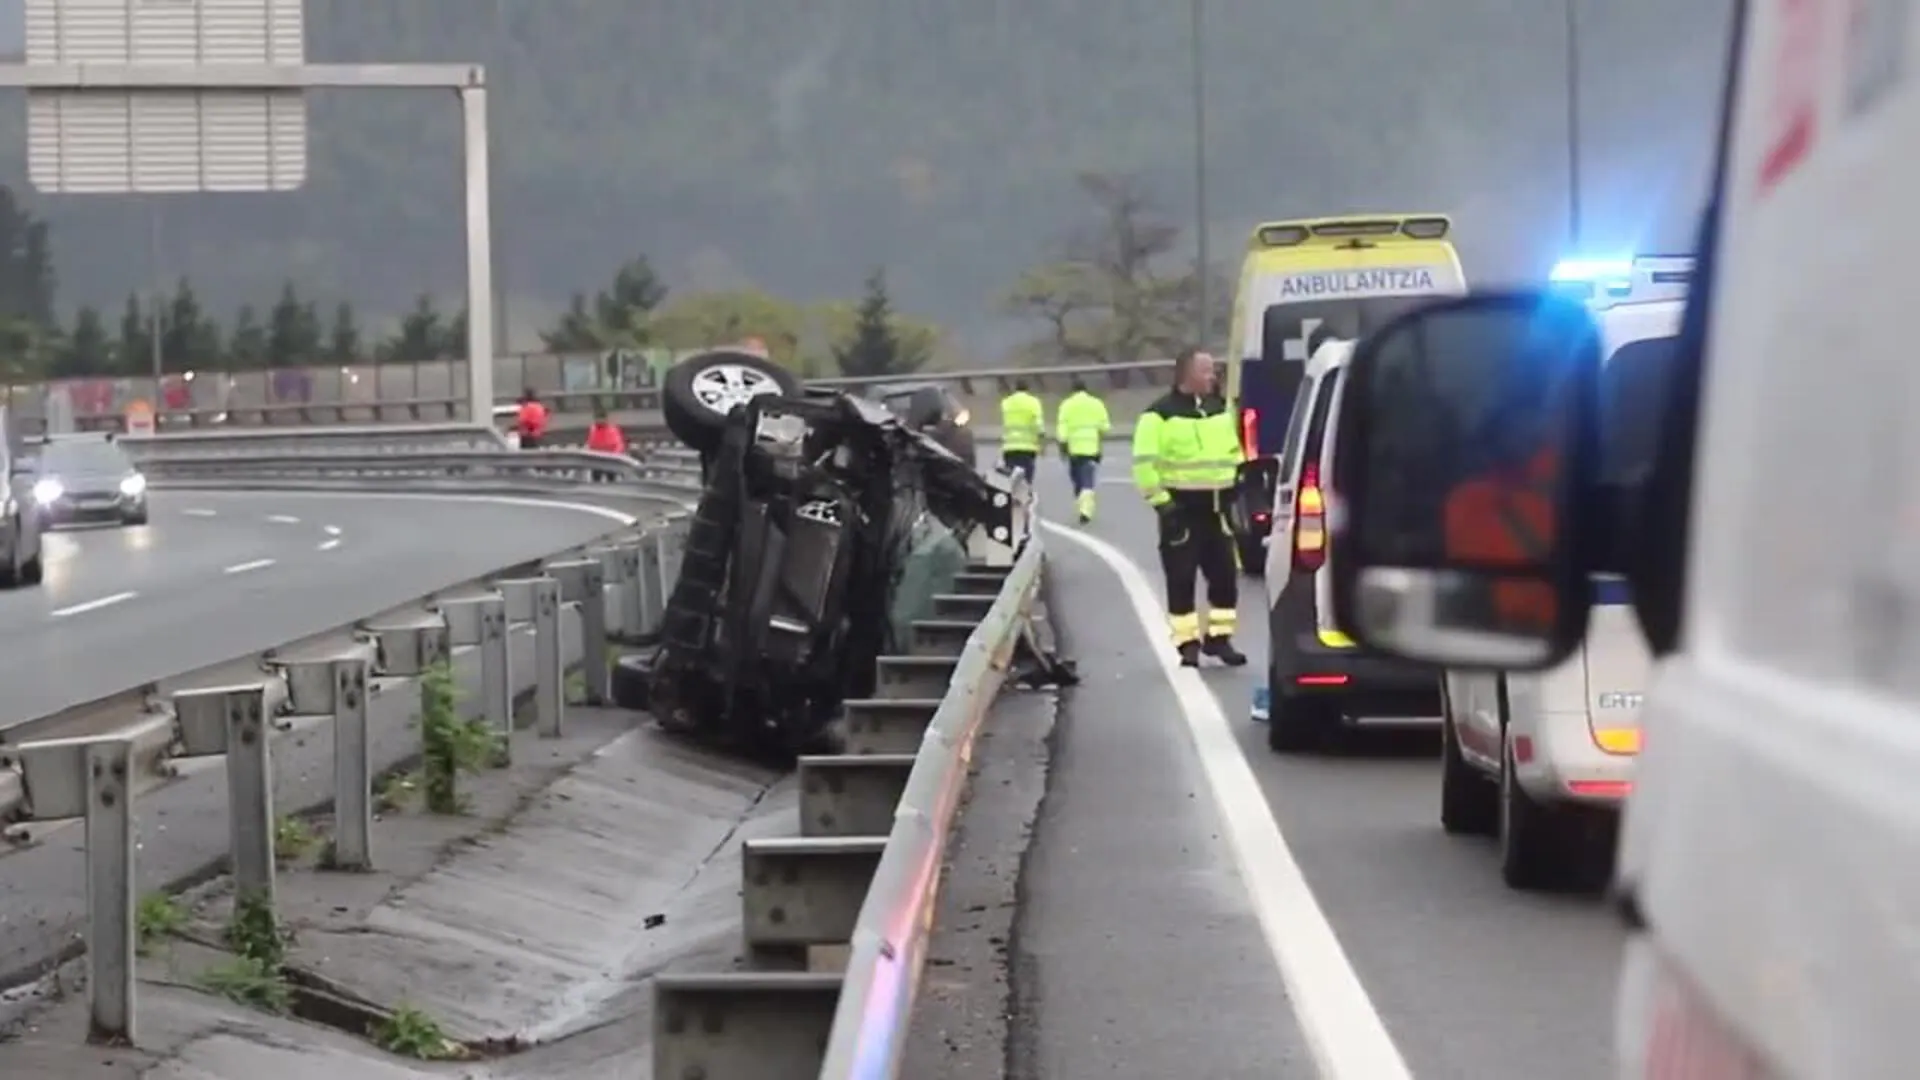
x=254, y=933
x=245, y=981
x=292, y=839
x=576, y=688
x=450, y=745
x=410, y=1032
x=395, y=792
x=158, y=916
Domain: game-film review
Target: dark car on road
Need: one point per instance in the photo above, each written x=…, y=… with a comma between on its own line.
x=83, y=479
x=931, y=409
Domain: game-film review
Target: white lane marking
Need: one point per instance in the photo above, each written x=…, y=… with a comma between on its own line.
x=92, y=605
x=528, y=502
x=197, y=511
x=241, y=568
x=330, y=530
x=329, y=545
x=283, y=519
x=1348, y=1038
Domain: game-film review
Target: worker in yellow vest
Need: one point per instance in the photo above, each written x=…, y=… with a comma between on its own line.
x=1023, y=425
x=1083, y=424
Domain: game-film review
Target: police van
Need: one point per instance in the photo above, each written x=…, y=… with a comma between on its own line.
x=1319, y=679
x=1303, y=282
x=1554, y=808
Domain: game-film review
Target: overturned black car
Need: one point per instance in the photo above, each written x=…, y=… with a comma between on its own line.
x=825, y=527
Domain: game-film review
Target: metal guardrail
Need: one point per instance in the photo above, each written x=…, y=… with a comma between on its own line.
x=865, y=871
x=610, y=591
x=416, y=409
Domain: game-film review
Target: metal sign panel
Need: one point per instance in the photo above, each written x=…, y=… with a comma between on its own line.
x=166, y=140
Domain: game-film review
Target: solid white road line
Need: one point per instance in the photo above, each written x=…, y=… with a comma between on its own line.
x=1348, y=1038
x=92, y=605
x=283, y=519
x=607, y=512
x=241, y=568
x=197, y=511
x=330, y=530
x=329, y=545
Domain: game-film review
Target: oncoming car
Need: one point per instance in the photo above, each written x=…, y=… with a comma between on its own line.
x=88, y=479
x=1543, y=760
x=1301, y=283
x=1318, y=678
x=931, y=409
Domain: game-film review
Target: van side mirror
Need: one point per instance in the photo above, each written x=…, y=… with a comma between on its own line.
x=1467, y=431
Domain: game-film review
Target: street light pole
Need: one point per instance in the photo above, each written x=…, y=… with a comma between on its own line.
x=1204, y=275
x=1572, y=10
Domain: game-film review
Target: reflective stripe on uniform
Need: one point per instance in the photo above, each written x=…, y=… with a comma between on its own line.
x=1185, y=627
x=1222, y=621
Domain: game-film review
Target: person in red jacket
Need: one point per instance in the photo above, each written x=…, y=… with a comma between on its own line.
x=605, y=437
x=532, y=420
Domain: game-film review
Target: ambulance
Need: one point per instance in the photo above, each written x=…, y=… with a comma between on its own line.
x=1302, y=283
x=1768, y=871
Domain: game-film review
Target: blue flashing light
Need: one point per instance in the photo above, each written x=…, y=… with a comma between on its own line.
x=1607, y=271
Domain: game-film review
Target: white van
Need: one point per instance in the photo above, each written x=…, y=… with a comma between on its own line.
x=1769, y=860
x=1553, y=805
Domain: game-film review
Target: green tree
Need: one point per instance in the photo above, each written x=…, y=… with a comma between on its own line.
x=343, y=338
x=247, y=345
x=87, y=351
x=422, y=332
x=1117, y=293
x=294, y=334
x=876, y=346
x=617, y=317
x=134, y=351
x=453, y=339
x=190, y=341
x=710, y=320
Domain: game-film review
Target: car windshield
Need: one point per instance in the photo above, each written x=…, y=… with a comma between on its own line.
x=1633, y=389
x=83, y=457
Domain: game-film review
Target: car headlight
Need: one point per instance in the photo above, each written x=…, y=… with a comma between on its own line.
x=47, y=491
x=960, y=418
x=133, y=486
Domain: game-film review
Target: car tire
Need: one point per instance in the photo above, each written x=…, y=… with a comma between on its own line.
x=633, y=681
x=1531, y=850
x=699, y=393
x=135, y=519
x=1469, y=800
x=1297, y=725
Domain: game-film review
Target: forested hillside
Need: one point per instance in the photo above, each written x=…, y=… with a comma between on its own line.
x=798, y=145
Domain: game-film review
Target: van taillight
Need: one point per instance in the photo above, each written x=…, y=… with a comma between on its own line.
x=1250, y=433
x=1309, y=521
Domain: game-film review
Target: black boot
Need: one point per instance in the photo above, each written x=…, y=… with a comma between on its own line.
x=1221, y=649
x=1190, y=654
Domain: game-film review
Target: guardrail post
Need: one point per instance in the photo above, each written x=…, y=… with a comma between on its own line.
x=549, y=688
x=352, y=767
x=770, y=1026
x=851, y=795
x=92, y=778
x=650, y=589
x=232, y=720
x=800, y=892
x=411, y=648
x=496, y=673
x=111, y=931
x=582, y=582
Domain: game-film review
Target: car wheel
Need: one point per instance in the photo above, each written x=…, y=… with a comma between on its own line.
x=1296, y=725
x=1531, y=852
x=633, y=681
x=699, y=393
x=1469, y=800
x=138, y=517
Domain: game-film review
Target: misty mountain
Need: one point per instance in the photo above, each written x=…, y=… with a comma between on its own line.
x=796, y=146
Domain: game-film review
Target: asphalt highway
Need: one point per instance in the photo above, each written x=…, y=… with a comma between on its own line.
x=1135, y=890
x=217, y=575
